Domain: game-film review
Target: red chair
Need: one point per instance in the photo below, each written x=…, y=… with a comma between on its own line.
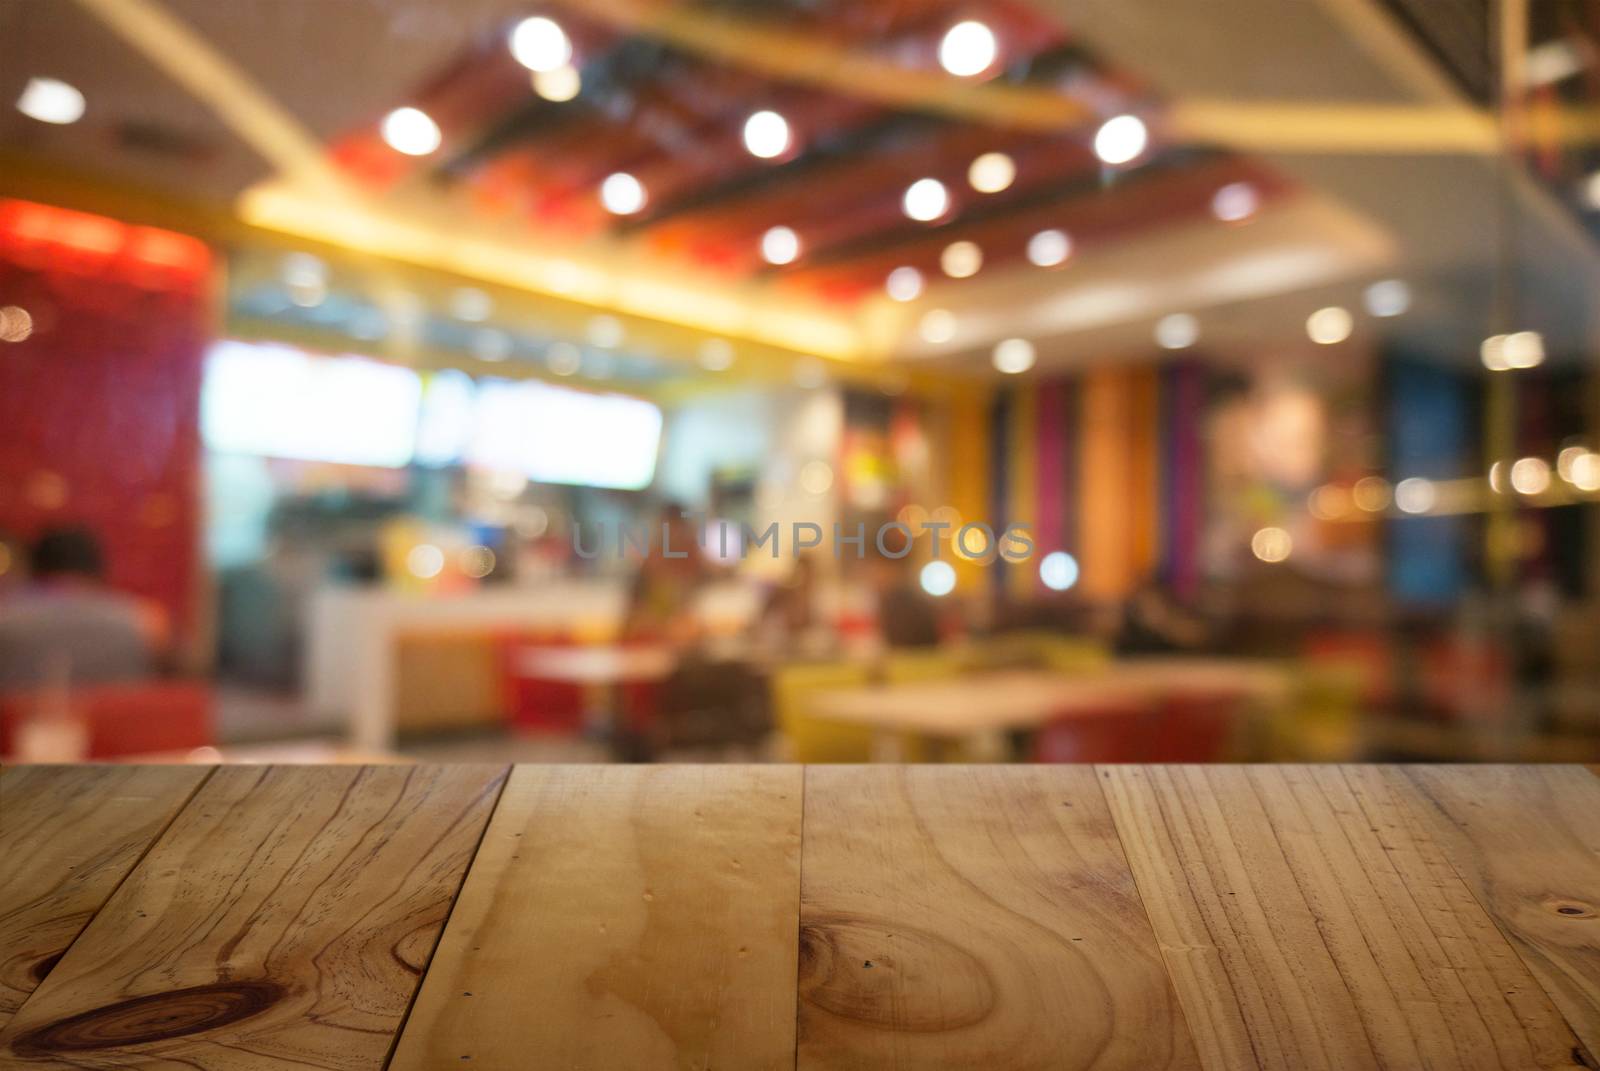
x=127, y=719
x=1192, y=727
x=1114, y=734
x=533, y=703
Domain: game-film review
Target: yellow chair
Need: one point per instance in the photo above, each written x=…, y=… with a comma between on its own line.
x=808, y=738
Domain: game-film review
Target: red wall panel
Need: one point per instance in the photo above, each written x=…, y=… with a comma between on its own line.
x=99, y=407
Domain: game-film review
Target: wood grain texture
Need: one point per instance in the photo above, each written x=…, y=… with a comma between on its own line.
x=68, y=836
x=1309, y=922
x=622, y=917
x=283, y=919
x=975, y=917
x=1527, y=841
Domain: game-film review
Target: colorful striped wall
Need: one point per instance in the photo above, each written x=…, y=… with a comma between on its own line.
x=1107, y=466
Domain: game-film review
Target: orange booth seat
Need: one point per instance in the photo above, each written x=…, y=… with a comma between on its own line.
x=126, y=719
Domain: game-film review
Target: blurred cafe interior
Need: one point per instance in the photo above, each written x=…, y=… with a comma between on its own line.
x=807, y=380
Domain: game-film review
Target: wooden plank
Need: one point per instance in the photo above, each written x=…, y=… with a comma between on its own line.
x=1307, y=924
x=622, y=917
x=68, y=836
x=1527, y=841
x=283, y=919
x=975, y=917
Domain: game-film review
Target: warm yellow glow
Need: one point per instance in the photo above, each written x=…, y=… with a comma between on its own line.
x=992, y=172
x=476, y=562
x=961, y=260
x=1329, y=326
x=558, y=85
x=1271, y=544
x=670, y=298
x=15, y=324
x=937, y=325
x=411, y=131
x=1371, y=494
x=1586, y=472
x=816, y=477
x=425, y=561
x=1014, y=356
x=1330, y=502
x=1530, y=476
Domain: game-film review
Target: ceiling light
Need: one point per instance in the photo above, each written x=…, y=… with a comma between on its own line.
x=1493, y=353
x=540, y=44
x=471, y=304
x=1530, y=476
x=1330, y=325
x=991, y=172
x=961, y=260
x=968, y=48
x=1013, y=356
x=1388, y=297
x=926, y=199
x=1049, y=248
x=411, y=131
x=1415, y=495
x=1586, y=472
x=559, y=83
x=716, y=355
x=937, y=326
x=1524, y=349
x=1121, y=139
x=780, y=245
x=1271, y=544
x=563, y=358
x=766, y=134
x=1235, y=202
x=51, y=100
x=1178, y=331
x=904, y=284
x=622, y=194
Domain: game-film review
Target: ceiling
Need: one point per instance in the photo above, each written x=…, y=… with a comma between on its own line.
x=271, y=108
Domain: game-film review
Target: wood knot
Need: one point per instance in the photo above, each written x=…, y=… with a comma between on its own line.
x=153, y=1017
x=1572, y=909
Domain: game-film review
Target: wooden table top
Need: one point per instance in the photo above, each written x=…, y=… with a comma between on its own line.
x=1028, y=698
x=758, y=917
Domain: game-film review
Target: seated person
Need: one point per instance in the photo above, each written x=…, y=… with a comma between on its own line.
x=66, y=627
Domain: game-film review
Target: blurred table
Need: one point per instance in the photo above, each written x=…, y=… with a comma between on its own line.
x=981, y=705
x=602, y=670
x=941, y=918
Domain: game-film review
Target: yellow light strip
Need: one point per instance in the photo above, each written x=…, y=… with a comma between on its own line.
x=703, y=306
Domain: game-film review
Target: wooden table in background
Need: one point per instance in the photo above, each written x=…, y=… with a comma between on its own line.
x=987, y=917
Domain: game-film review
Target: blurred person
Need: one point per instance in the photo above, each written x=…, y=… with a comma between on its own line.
x=661, y=603
x=907, y=615
x=1154, y=623
x=793, y=615
x=67, y=627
